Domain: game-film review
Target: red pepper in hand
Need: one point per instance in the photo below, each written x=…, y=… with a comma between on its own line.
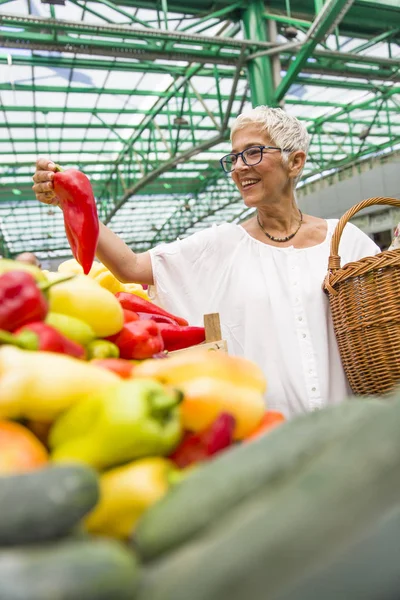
x=138, y=304
x=74, y=191
x=120, y=366
x=176, y=337
x=138, y=340
x=21, y=300
x=197, y=447
x=40, y=336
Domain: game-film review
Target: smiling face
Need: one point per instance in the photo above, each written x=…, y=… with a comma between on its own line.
x=268, y=180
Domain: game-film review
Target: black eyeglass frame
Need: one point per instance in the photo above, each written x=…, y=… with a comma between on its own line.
x=237, y=154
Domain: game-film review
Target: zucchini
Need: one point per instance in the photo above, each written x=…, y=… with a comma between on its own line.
x=68, y=570
x=45, y=504
x=367, y=570
x=293, y=527
x=212, y=490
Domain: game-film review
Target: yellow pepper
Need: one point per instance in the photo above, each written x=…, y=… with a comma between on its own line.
x=135, y=288
x=104, y=277
x=107, y=280
x=70, y=266
x=41, y=385
x=85, y=299
x=126, y=493
x=212, y=382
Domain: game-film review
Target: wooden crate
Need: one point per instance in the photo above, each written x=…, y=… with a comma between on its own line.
x=214, y=341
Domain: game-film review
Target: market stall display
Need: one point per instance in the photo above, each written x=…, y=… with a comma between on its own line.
x=164, y=476
x=86, y=446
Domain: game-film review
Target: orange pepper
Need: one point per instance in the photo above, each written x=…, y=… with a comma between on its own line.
x=270, y=420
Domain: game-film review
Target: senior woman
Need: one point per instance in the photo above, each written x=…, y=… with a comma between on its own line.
x=263, y=276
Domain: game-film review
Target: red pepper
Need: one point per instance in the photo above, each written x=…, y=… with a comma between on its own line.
x=157, y=318
x=138, y=304
x=121, y=367
x=176, y=337
x=21, y=300
x=138, y=340
x=197, y=447
x=129, y=316
x=40, y=336
x=81, y=222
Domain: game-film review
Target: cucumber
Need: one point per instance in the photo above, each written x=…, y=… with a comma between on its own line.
x=367, y=570
x=68, y=570
x=45, y=504
x=291, y=528
x=211, y=491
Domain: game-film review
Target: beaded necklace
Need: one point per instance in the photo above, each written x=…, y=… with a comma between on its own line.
x=285, y=239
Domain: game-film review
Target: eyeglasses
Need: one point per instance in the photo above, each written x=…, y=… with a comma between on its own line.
x=251, y=156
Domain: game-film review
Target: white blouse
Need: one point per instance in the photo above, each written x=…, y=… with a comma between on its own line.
x=272, y=307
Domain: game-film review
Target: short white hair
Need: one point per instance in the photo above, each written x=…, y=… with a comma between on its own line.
x=285, y=131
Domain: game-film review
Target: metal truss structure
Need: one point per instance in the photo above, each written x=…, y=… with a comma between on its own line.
x=140, y=94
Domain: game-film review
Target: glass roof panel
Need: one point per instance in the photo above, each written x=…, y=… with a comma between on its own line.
x=122, y=104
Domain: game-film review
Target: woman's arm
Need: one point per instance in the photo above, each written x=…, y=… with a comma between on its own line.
x=126, y=265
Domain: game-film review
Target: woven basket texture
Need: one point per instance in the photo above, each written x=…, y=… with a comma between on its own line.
x=364, y=297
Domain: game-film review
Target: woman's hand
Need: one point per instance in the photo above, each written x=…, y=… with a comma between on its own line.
x=43, y=179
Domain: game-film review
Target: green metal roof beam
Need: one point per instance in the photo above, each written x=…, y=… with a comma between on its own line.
x=352, y=107
x=354, y=158
x=287, y=20
x=108, y=65
x=156, y=109
x=222, y=135
x=159, y=171
x=376, y=40
x=222, y=12
x=124, y=13
x=127, y=32
x=94, y=126
x=259, y=69
x=67, y=43
x=134, y=111
x=84, y=7
x=322, y=25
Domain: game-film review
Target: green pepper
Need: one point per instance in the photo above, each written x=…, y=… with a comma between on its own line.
x=102, y=349
x=134, y=419
x=73, y=328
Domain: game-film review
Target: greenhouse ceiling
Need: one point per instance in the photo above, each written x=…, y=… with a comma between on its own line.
x=140, y=95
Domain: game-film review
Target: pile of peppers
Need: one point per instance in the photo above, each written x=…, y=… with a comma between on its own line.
x=74, y=315
x=23, y=308
x=149, y=330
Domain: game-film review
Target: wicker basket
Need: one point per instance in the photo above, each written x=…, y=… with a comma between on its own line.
x=364, y=298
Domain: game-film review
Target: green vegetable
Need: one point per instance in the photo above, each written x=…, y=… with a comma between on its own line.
x=73, y=328
x=240, y=473
x=45, y=504
x=102, y=349
x=296, y=524
x=133, y=419
x=366, y=570
x=68, y=570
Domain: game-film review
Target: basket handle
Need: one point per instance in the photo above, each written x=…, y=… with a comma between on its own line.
x=334, y=259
